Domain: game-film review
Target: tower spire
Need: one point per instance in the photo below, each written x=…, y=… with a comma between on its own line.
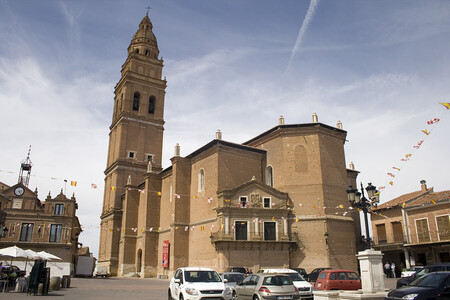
x=144, y=41
x=25, y=170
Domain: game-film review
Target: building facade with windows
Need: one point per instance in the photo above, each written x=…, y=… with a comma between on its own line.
x=414, y=229
x=273, y=201
x=50, y=225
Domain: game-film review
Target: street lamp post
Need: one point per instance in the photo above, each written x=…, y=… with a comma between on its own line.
x=354, y=196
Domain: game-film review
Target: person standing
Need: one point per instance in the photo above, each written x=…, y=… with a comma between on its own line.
x=387, y=270
x=393, y=270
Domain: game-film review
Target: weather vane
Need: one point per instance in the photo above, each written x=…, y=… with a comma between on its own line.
x=148, y=9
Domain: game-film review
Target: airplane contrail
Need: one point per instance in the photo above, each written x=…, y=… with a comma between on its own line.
x=303, y=28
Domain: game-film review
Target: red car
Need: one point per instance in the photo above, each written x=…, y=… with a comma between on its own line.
x=338, y=280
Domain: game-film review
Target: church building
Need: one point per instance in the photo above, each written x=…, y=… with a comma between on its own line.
x=277, y=200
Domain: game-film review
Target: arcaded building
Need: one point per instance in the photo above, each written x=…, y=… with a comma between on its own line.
x=414, y=228
x=276, y=200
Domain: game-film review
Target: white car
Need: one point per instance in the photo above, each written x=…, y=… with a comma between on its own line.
x=195, y=283
x=410, y=272
x=304, y=287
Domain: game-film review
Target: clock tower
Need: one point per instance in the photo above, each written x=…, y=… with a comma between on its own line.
x=136, y=134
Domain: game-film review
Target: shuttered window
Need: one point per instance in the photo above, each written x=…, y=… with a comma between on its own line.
x=443, y=225
x=423, y=235
x=398, y=232
x=381, y=233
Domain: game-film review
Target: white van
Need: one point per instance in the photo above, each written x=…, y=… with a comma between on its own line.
x=303, y=286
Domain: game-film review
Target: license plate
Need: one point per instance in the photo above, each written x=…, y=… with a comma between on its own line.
x=284, y=297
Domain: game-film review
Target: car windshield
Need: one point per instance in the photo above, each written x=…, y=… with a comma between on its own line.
x=240, y=270
x=422, y=272
x=233, y=277
x=202, y=276
x=432, y=280
x=296, y=277
x=277, y=280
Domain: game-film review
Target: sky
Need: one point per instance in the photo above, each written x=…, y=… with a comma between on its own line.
x=380, y=67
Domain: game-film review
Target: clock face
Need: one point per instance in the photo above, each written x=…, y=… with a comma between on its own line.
x=19, y=191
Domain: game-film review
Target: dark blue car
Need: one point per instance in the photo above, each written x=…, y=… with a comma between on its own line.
x=425, y=270
x=430, y=286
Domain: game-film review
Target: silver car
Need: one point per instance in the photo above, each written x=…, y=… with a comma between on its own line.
x=232, y=278
x=266, y=286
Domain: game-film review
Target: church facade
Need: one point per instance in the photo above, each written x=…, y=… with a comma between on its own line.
x=273, y=201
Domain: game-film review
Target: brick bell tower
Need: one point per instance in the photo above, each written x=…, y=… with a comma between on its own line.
x=136, y=135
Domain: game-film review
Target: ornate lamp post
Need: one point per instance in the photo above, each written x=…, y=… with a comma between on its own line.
x=354, y=196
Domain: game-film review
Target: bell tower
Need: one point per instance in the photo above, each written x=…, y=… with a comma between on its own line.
x=136, y=134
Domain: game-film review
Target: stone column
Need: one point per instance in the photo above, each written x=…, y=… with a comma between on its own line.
x=372, y=275
x=407, y=263
x=226, y=225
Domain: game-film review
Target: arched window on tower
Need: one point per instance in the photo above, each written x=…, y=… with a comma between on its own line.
x=151, y=104
x=201, y=180
x=136, y=101
x=269, y=176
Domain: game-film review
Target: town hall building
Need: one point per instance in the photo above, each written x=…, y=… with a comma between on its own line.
x=275, y=200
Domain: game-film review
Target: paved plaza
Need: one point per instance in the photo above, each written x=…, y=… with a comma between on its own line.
x=101, y=288
x=117, y=288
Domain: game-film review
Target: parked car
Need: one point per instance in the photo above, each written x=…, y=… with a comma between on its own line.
x=338, y=280
x=302, y=272
x=427, y=269
x=266, y=286
x=196, y=283
x=237, y=269
x=304, y=288
x=314, y=273
x=430, y=286
x=411, y=271
x=232, y=278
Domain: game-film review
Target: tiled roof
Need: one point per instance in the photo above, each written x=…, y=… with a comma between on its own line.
x=401, y=199
x=430, y=198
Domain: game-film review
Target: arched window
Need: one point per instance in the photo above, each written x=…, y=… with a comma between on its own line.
x=136, y=101
x=269, y=176
x=151, y=105
x=121, y=101
x=201, y=180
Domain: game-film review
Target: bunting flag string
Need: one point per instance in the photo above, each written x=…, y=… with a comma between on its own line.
x=73, y=183
x=203, y=227
x=432, y=122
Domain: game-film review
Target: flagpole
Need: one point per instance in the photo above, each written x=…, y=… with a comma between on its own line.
x=65, y=183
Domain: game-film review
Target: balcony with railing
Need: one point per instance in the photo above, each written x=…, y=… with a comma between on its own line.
x=395, y=241
x=222, y=240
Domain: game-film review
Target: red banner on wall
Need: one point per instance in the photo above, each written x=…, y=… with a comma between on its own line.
x=165, y=254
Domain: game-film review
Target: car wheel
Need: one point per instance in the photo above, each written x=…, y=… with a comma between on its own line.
x=234, y=297
x=181, y=297
x=169, y=295
x=256, y=297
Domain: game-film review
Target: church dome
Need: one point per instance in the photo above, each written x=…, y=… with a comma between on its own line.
x=144, y=39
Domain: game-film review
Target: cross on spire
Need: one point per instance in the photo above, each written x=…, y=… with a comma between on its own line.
x=148, y=9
